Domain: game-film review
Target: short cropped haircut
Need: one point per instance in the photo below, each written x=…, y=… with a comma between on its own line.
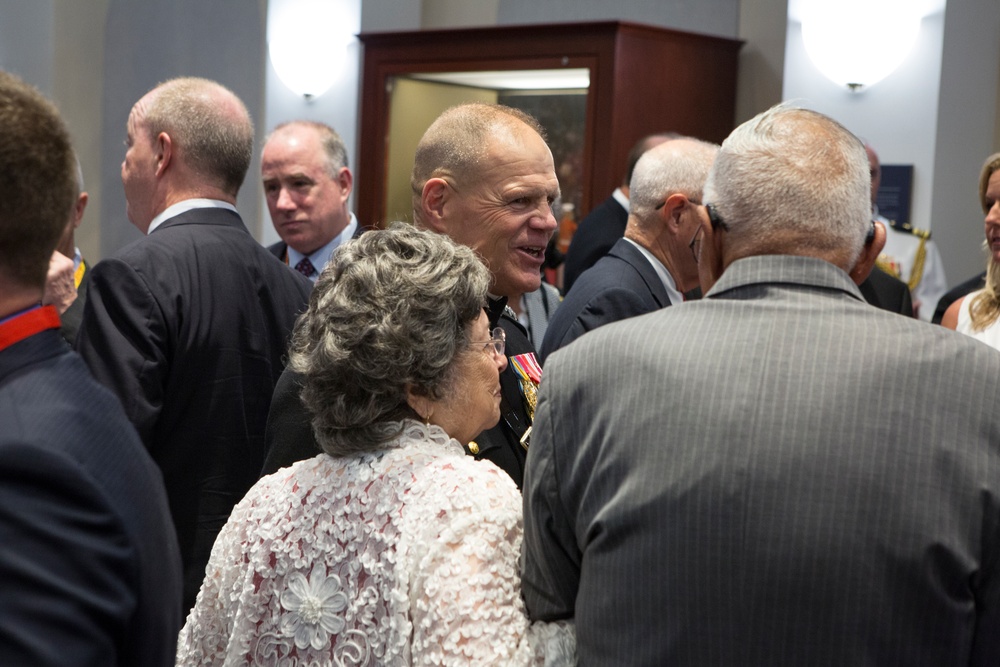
x=792, y=179
x=677, y=166
x=216, y=138
x=391, y=310
x=455, y=144
x=333, y=145
x=37, y=181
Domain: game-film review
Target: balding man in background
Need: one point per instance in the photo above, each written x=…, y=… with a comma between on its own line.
x=307, y=184
x=189, y=325
x=779, y=473
x=654, y=264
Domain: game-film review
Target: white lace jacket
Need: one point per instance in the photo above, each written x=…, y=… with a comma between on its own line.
x=407, y=556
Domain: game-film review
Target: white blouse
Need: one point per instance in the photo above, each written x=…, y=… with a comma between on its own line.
x=405, y=556
x=990, y=335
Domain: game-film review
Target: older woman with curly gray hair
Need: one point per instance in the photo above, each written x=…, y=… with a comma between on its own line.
x=392, y=547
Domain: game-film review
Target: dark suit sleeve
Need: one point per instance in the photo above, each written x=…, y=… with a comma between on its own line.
x=66, y=565
x=550, y=566
x=289, y=435
x=123, y=339
x=608, y=306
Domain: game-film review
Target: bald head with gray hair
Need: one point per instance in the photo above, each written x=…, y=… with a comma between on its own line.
x=455, y=146
x=210, y=125
x=792, y=181
x=678, y=166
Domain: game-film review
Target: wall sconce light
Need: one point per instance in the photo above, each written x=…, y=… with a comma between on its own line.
x=307, y=42
x=857, y=43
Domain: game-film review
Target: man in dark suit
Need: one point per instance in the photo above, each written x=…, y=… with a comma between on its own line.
x=606, y=222
x=89, y=567
x=778, y=473
x=887, y=292
x=189, y=325
x=307, y=184
x=483, y=175
x=653, y=265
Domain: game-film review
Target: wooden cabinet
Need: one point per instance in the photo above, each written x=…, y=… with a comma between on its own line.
x=643, y=80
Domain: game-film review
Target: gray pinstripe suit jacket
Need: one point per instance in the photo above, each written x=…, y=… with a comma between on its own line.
x=779, y=474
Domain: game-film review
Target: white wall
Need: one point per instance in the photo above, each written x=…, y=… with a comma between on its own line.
x=968, y=117
x=938, y=112
x=897, y=116
x=26, y=41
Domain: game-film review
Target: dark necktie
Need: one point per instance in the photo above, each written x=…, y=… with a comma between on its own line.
x=305, y=267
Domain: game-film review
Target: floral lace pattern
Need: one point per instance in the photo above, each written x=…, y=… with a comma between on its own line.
x=405, y=556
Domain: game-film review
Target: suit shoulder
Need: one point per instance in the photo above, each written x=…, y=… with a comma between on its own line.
x=277, y=249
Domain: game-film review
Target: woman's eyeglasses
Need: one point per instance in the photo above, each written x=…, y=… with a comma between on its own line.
x=495, y=345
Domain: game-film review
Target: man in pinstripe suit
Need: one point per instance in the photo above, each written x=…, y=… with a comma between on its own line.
x=778, y=474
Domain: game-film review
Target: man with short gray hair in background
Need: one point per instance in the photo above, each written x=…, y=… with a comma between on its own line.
x=189, y=325
x=778, y=473
x=653, y=265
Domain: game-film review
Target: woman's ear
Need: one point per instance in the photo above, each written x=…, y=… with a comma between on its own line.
x=419, y=403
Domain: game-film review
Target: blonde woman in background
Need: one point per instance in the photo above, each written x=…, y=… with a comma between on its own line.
x=977, y=314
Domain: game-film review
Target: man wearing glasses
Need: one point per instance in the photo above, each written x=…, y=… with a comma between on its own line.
x=654, y=264
x=778, y=473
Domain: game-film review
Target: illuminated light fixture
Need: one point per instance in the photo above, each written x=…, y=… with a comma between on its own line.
x=857, y=43
x=307, y=42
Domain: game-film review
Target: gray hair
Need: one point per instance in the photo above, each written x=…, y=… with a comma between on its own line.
x=209, y=123
x=455, y=145
x=333, y=146
x=792, y=180
x=676, y=166
x=390, y=312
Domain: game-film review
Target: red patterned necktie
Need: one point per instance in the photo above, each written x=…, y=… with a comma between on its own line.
x=305, y=267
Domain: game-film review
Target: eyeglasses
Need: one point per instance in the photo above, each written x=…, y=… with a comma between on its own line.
x=495, y=345
x=695, y=244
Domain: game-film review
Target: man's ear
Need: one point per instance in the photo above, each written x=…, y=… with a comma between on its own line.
x=164, y=149
x=433, y=199
x=345, y=179
x=672, y=209
x=79, y=208
x=869, y=253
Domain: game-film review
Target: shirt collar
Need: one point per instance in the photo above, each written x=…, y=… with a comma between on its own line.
x=668, y=280
x=185, y=206
x=620, y=197
x=320, y=258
